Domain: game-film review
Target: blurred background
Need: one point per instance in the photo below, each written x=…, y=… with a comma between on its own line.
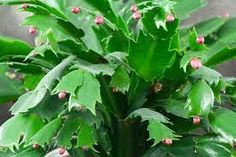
x=10, y=21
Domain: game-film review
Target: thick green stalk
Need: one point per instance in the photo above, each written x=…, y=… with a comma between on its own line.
x=125, y=139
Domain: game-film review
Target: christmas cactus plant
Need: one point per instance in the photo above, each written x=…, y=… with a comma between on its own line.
x=118, y=78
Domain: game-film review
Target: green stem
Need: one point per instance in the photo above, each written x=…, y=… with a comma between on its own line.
x=112, y=102
x=126, y=146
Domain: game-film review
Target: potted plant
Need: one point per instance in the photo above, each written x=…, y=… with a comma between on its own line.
x=118, y=79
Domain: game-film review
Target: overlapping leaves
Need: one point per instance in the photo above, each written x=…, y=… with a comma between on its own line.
x=157, y=130
x=33, y=98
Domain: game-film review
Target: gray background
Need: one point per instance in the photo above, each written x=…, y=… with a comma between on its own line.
x=10, y=20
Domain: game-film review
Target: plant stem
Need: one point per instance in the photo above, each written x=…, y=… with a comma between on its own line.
x=111, y=100
x=125, y=141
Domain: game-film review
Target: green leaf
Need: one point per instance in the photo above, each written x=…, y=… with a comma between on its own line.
x=28, y=100
x=88, y=94
x=160, y=132
x=49, y=108
x=157, y=130
x=120, y=80
x=28, y=152
x=65, y=134
x=226, y=33
x=85, y=136
x=224, y=48
x=95, y=69
x=207, y=74
x=85, y=20
x=102, y=6
x=178, y=148
x=91, y=119
x=154, y=18
x=70, y=82
x=200, y=99
x=53, y=42
x=191, y=147
x=33, y=98
x=175, y=73
x=11, y=46
x=138, y=91
x=44, y=135
x=166, y=31
x=184, y=8
x=31, y=81
x=148, y=115
x=194, y=46
x=116, y=57
x=212, y=149
x=3, y=68
x=19, y=129
x=150, y=57
x=10, y=89
x=55, y=73
x=38, y=3
x=176, y=108
x=220, y=52
x=77, y=49
x=210, y=26
x=223, y=122
x=44, y=23
x=39, y=50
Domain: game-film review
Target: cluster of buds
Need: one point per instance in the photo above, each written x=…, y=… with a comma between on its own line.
x=136, y=14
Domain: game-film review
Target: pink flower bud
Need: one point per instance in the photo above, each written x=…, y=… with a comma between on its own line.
x=33, y=54
x=134, y=8
x=25, y=6
x=99, y=20
x=157, y=87
x=168, y=141
x=61, y=151
x=61, y=95
x=196, y=63
x=115, y=90
x=32, y=30
x=196, y=120
x=170, y=18
x=85, y=148
x=35, y=146
x=226, y=15
x=200, y=40
x=136, y=16
x=75, y=10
